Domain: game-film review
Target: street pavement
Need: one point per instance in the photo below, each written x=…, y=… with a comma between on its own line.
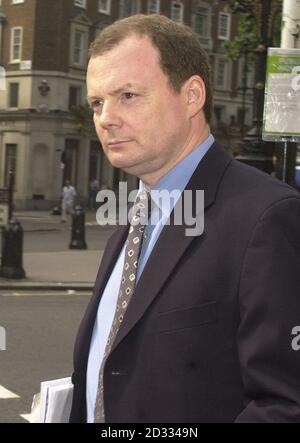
x=40, y=333
x=58, y=266
x=40, y=315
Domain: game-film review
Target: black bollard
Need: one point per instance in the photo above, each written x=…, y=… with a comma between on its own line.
x=12, y=251
x=78, y=229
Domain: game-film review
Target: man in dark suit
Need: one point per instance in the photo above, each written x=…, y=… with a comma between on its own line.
x=209, y=332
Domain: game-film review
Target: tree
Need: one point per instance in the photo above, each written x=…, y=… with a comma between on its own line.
x=251, y=38
x=248, y=38
x=83, y=118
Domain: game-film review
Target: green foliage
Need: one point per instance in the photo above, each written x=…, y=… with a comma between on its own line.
x=246, y=39
x=277, y=30
x=83, y=118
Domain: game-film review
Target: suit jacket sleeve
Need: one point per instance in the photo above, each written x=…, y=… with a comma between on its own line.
x=269, y=310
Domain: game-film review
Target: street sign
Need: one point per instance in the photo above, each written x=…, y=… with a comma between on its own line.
x=25, y=65
x=282, y=96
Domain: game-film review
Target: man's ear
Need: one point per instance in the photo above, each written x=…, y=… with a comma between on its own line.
x=195, y=94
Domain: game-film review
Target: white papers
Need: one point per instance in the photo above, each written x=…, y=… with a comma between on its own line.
x=53, y=403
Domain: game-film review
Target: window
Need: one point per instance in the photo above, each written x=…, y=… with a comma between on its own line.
x=221, y=76
x=104, y=6
x=242, y=116
x=224, y=26
x=201, y=24
x=80, y=3
x=95, y=161
x=71, y=161
x=177, y=11
x=153, y=6
x=74, y=96
x=129, y=7
x=16, y=45
x=10, y=162
x=13, y=95
x=78, y=48
x=79, y=45
x=15, y=2
x=219, y=113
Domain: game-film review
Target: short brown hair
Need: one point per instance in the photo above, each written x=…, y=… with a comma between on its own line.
x=181, y=54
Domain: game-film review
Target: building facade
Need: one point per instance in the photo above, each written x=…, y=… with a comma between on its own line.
x=46, y=132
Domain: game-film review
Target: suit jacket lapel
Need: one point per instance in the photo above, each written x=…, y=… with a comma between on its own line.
x=173, y=241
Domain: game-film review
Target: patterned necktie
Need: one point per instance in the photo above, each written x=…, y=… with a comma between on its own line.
x=139, y=217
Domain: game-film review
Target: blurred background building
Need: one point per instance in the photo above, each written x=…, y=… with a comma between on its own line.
x=46, y=132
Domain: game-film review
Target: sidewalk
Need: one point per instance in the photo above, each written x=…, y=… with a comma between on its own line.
x=70, y=269
x=67, y=269
x=44, y=221
x=57, y=270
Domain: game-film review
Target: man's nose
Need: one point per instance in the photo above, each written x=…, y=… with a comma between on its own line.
x=110, y=115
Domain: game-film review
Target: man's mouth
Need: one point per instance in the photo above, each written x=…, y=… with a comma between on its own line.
x=116, y=142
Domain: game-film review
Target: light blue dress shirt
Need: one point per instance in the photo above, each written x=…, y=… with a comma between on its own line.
x=177, y=179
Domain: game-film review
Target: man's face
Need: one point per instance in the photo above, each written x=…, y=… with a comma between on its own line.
x=140, y=120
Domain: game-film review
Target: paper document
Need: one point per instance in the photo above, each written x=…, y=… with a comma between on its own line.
x=53, y=403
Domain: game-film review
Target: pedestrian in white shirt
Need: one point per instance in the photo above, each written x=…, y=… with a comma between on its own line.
x=68, y=196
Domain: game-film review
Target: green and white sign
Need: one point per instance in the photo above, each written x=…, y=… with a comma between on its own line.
x=282, y=96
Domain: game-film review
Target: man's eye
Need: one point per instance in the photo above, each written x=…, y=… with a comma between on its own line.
x=96, y=104
x=129, y=95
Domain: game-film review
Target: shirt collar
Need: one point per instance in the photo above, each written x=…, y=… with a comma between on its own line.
x=177, y=178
